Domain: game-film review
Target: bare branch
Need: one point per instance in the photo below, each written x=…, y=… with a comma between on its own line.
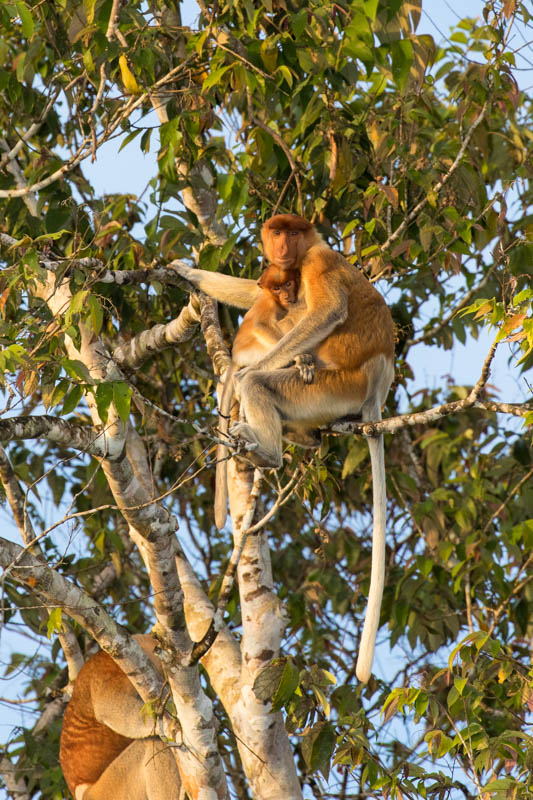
x=216, y=349
x=32, y=130
x=59, y=592
x=112, y=28
x=160, y=337
x=13, y=167
x=201, y=647
x=17, y=502
x=59, y=431
x=394, y=424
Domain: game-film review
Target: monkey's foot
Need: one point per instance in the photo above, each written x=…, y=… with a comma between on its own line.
x=304, y=438
x=305, y=365
x=244, y=434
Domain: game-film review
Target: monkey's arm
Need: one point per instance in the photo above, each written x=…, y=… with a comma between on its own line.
x=238, y=292
x=326, y=299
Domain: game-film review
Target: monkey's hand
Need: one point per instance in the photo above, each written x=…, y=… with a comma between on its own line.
x=305, y=365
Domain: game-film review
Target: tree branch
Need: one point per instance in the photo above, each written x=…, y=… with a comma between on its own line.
x=160, y=337
x=87, y=146
x=440, y=184
x=395, y=424
x=60, y=431
x=59, y=592
x=17, y=501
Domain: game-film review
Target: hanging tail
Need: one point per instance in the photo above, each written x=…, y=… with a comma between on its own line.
x=221, y=479
x=377, y=574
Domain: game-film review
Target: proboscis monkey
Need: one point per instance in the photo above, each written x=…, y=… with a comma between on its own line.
x=108, y=750
x=263, y=326
x=348, y=329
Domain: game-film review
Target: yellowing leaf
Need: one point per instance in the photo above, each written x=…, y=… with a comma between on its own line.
x=482, y=310
x=513, y=322
x=128, y=78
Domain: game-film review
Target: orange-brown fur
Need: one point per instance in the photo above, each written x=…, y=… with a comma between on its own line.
x=262, y=326
x=343, y=322
x=96, y=751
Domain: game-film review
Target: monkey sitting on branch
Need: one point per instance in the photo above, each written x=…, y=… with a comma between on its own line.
x=262, y=326
x=347, y=327
x=108, y=749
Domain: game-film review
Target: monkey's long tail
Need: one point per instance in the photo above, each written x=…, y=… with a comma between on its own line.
x=377, y=574
x=221, y=479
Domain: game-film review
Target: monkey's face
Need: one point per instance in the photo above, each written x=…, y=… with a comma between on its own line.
x=288, y=293
x=285, y=293
x=284, y=247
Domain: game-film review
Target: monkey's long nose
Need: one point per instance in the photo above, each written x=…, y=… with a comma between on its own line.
x=283, y=247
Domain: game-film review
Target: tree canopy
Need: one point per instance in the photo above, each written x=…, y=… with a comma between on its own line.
x=415, y=161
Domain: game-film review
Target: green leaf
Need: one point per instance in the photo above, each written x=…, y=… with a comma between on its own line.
x=55, y=622
x=76, y=370
x=402, y=59
x=103, y=397
x=78, y=301
x=214, y=77
x=356, y=455
x=498, y=784
x=129, y=138
x=322, y=750
x=89, y=6
x=52, y=235
x=122, y=399
x=88, y=62
x=287, y=74
x=371, y=8
x=268, y=680
x=72, y=399
x=97, y=314
x=287, y=685
x=26, y=20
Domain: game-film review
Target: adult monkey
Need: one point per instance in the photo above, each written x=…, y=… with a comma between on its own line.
x=348, y=329
x=263, y=325
x=108, y=750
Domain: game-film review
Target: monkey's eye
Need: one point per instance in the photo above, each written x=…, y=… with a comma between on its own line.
x=276, y=289
x=275, y=232
x=294, y=233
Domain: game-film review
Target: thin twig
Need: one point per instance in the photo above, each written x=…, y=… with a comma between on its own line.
x=32, y=130
x=508, y=497
x=445, y=320
x=284, y=146
x=112, y=28
x=440, y=184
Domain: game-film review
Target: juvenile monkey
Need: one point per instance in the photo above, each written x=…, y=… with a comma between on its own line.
x=263, y=325
x=348, y=329
x=108, y=750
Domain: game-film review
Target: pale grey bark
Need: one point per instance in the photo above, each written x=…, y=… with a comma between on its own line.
x=199, y=761
x=15, y=786
x=160, y=337
x=58, y=431
x=17, y=502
